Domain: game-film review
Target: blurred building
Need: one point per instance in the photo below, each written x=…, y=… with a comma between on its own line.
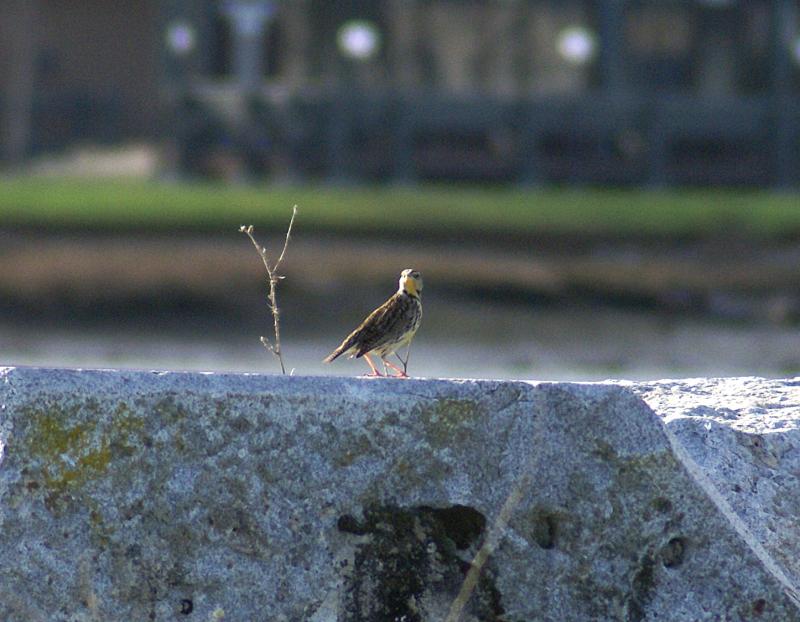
x=653, y=92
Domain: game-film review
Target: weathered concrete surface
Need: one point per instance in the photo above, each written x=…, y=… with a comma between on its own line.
x=166, y=496
x=744, y=433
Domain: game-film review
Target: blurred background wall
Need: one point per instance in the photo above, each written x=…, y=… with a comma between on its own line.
x=616, y=182
x=525, y=91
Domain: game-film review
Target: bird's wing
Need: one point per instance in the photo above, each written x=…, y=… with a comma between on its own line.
x=367, y=331
x=381, y=327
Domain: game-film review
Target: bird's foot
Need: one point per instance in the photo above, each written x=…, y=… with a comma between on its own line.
x=373, y=374
x=373, y=371
x=401, y=373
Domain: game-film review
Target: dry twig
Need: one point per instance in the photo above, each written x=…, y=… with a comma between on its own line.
x=497, y=531
x=404, y=361
x=274, y=278
x=493, y=538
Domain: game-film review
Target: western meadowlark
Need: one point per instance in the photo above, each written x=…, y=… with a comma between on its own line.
x=389, y=327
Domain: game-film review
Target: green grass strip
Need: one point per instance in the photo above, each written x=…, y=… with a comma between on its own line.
x=37, y=202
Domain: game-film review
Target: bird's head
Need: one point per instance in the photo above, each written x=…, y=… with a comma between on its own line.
x=411, y=282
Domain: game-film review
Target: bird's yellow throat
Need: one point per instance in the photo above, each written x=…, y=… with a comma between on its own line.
x=409, y=286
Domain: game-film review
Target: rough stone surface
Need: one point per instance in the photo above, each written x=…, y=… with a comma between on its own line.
x=168, y=496
x=744, y=433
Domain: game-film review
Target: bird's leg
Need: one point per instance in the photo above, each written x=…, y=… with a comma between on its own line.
x=374, y=369
x=400, y=373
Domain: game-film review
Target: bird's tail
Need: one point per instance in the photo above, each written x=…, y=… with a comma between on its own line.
x=333, y=355
x=346, y=345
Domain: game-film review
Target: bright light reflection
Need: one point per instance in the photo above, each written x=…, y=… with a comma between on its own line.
x=576, y=45
x=181, y=38
x=358, y=39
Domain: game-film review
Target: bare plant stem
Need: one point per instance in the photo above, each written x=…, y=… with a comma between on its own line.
x=404, y=361
x=496, y=533
x=498, y=529
x=274, y=278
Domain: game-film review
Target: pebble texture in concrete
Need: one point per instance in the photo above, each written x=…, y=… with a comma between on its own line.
x=744, y=433
x=166, y=496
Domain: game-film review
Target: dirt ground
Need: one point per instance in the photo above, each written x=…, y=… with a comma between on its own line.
x=722, y=277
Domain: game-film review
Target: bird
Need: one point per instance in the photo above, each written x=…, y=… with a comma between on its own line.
x=388, y=328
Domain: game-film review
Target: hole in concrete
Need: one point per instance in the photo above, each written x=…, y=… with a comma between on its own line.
x=641, y=589
x=347, y=523
x=644, y=578
x=187, y=606
x=462, y=524
x=544, y=528
x=662, y=504
x=759, y=606
x=134, y=551
x=673, y=552
x=412, y=563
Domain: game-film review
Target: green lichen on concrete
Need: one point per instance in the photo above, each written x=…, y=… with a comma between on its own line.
x=68, y=455
x=355, y=449
x=449, y=421
x=125, y=422
x=171, y=411
x=101, y=531
x=72, y=454
x=631, y=473
x=410, y=474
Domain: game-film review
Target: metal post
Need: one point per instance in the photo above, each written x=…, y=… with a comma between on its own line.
x=786, y=129
x=610, y=30
x=249, y=20
x=404, y=170
x=16, y=117
x=405, y=69
x=296, y=23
